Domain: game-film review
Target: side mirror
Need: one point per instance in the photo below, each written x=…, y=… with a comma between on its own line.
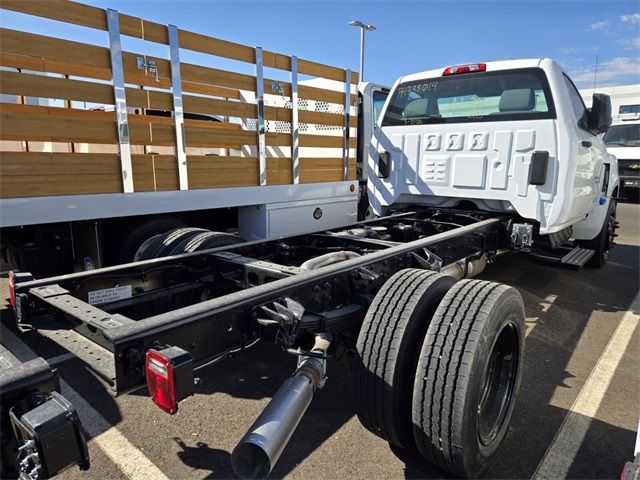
x=600, y=114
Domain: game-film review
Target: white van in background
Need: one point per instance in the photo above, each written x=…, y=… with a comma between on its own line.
x=500, y=136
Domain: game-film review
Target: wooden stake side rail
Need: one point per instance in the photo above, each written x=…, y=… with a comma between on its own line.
x=53, y=55
x=52, y=68
x=45, y=173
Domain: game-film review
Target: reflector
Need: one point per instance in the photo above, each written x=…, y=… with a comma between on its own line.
x=12, y=288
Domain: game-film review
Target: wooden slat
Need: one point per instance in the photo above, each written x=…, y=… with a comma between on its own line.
x=325, y=71
x=22, y=43
x=46, y=163
x=64, y=11
x=88, y=16
x=38, y=173
x=213, y=90
x=18, y=126
x=43, y=173
x=41, y=185
x=215, y=46
x=165, y=171
x=41, y=86
x=314, y=170
x=214, y=171
x=307, y=140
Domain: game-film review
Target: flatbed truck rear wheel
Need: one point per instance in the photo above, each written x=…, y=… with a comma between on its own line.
x=141, y=233
x=468, y=374
x=184, y=240
x=387, y=349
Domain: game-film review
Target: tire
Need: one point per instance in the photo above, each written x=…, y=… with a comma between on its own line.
x=205, y=241
x=468, y=375
x=140, y=234
x=603, y=242
x=387, y=348
x=162, y=245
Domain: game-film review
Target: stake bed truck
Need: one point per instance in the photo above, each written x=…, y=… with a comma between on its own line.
x=461, y=165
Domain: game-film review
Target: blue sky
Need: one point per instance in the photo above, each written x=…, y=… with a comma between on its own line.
x=411, y=36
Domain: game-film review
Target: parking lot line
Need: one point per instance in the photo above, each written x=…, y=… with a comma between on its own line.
x=133, y=463
x=563, y=449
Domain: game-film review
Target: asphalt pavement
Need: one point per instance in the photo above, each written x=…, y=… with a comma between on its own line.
x=581, y=373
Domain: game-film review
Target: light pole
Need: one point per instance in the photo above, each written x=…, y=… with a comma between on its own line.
x=363, y=27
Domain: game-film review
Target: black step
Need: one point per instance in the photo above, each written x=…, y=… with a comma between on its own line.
x=578, y=257
x=574, y=258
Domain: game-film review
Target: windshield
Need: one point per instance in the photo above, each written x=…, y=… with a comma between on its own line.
x=623, y=136
x=521, y=94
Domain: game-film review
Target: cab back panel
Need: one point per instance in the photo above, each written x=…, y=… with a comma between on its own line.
x=469, y=161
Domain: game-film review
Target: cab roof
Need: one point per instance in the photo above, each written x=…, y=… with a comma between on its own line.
x=491, y=67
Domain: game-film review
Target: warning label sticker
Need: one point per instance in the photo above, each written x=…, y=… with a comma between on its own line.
x=109, y=294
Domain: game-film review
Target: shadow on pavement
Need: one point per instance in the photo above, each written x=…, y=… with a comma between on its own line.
x=203, y=457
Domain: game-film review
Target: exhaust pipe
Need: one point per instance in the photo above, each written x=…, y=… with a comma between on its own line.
x=261, y=447
x=465, y=268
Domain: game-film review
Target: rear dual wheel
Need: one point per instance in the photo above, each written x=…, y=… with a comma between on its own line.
x=438, y=367
x=184, y=240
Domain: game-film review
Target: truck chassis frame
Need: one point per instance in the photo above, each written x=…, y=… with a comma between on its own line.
x=240, y=285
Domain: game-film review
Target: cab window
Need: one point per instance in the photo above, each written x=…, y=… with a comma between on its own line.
x=574, y=96
x=379, y=97
x=504, y=95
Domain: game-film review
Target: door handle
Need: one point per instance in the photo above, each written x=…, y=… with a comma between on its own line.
x=586, y=143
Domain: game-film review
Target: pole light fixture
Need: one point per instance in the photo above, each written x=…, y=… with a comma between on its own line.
x=364, y=27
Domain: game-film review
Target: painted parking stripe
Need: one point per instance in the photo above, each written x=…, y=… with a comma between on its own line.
x=133, y=463
x=563, y=449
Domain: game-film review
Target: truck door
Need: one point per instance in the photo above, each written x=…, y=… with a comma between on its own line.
x=590, y=152
x=371, y=98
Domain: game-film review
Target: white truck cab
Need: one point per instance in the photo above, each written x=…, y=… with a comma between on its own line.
x=504, y=136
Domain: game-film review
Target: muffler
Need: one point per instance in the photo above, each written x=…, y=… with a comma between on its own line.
x=259, y=450
x=465, y=268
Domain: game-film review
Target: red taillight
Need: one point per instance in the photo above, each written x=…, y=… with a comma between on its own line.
x=161, y=381
x=12, y=289
x=473, y=67
x=169, y=377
